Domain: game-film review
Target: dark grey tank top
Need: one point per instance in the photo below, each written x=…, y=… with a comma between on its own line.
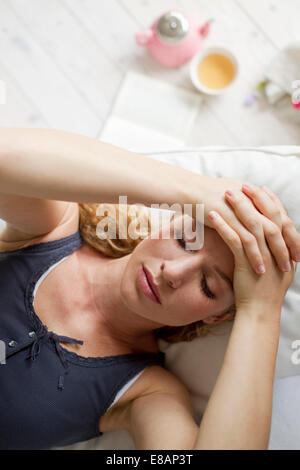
x=50, y=397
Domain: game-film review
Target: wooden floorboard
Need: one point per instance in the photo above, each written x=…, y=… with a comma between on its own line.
x=64, y=61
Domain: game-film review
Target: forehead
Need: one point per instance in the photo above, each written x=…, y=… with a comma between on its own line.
x=193, y=231
x=211, y=241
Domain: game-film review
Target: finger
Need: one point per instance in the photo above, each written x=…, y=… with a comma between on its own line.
x=264, y=203
x=276, y=244
x=251, y=230
x=230, y=237
x=252, y=249
x=257, y=223
x=275, y=198
x=234, y=239
x=273, y=212
x=289, y=231
x=291, y=238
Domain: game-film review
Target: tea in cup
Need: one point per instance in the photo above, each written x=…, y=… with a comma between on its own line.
x=213, y=70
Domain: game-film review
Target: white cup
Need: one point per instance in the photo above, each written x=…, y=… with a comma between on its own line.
x=199, y=57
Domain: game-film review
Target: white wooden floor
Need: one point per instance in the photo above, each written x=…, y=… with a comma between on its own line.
x=63, y=62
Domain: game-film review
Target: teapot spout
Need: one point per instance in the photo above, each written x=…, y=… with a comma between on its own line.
x=205, y=29
x=143, y=38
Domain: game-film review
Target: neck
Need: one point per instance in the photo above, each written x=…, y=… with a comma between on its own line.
x=102, y=277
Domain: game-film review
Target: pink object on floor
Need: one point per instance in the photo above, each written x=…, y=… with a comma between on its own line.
x=174, y=38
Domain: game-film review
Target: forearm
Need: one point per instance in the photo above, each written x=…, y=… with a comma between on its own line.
x=57, y=165
x=238, y=413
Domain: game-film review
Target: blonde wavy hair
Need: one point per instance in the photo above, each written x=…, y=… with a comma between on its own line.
x=118, y=247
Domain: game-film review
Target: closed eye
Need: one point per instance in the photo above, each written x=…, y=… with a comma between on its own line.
x=204, y=287
x=181, y=241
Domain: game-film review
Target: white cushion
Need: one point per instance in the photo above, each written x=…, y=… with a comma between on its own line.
x=198, y=363
x=285, y=425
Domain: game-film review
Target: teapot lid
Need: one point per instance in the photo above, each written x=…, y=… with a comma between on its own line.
x=173, y=27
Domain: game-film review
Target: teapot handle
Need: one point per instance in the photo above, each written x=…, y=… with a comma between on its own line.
x=143, y=38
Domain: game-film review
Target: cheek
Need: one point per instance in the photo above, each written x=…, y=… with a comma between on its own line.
x=189, y=306
x=129, y=287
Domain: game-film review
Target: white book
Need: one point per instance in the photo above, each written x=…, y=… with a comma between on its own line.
x=150, y=115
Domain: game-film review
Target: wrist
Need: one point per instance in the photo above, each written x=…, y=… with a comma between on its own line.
x=193, y=188
x=262, y=313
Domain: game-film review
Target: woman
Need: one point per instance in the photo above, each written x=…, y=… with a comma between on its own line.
x=81, y=328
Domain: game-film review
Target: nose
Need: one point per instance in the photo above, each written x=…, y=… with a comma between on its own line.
x=176, y=272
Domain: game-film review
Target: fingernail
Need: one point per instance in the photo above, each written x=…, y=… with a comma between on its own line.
x=212, y=215
x=229, y=193
x=266, y=189
x=248, y=186
x=286, y=266
x=261, y=269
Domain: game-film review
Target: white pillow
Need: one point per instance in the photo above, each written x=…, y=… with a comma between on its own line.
x=285, y=425
x=197, y=363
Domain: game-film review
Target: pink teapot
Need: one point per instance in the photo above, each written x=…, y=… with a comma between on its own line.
x=174, y=38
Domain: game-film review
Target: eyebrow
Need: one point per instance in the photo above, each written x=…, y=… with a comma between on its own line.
x=223, y=276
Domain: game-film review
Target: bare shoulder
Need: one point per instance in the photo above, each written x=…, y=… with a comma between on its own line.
x=13, y=239
x=153, y=380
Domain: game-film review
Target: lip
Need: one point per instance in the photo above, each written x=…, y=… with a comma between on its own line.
x=148, y=285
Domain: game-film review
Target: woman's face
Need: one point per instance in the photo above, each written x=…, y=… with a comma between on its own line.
x=192, y=285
